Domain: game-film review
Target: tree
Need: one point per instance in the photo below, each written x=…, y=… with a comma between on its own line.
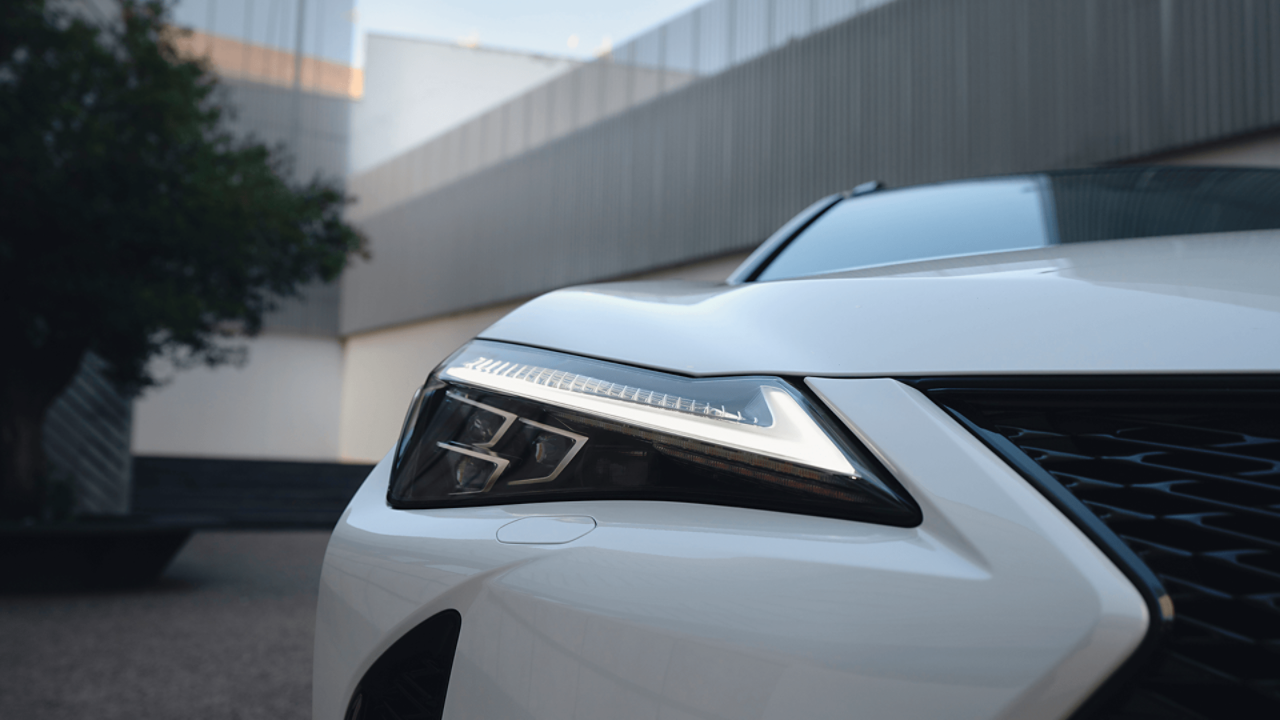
x=132, y=223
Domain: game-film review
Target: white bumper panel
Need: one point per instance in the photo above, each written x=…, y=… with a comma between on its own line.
x=995, y=607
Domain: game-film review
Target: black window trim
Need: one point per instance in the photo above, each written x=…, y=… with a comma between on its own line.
x=763, y=255
x=768, y=251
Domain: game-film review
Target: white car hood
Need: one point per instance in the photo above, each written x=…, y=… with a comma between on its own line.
x=1190, y=304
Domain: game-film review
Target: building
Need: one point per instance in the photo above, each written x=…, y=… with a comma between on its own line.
x=684, y=148
x=690, y=144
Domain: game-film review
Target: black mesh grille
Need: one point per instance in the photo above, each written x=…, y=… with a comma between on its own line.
x=1190, y=481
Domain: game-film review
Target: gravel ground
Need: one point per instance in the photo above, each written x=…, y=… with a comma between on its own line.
x=226, y=633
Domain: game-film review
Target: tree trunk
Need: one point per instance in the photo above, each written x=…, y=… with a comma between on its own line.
x=22, y=461
x=27, y=389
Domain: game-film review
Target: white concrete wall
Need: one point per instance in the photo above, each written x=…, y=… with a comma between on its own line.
x=283, y=404
x=382, y=369
x=416, y=89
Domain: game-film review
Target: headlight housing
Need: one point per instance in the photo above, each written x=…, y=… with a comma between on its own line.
x=500, y=424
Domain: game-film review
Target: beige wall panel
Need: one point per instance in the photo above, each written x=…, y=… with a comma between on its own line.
x=283, y=404
x=233, y=58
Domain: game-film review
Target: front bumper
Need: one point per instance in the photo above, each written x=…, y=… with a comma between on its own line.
x=995, y=606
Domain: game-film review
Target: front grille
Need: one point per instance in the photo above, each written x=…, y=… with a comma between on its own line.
x=1190, y=481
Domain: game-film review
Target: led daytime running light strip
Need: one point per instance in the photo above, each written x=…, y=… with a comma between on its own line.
x=572, y=382
x=791, y=435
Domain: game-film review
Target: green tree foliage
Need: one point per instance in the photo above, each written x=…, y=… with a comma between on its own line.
x=131, y=222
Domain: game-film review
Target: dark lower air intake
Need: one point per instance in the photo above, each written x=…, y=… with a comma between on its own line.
x=1189, y=479
x=411, y=678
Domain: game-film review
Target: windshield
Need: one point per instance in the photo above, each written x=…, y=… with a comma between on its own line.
x=1015, y=213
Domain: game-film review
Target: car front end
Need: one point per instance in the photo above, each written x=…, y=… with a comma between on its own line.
x=1023, y=483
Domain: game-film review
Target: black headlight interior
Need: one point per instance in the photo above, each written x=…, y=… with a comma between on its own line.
x=500, y=424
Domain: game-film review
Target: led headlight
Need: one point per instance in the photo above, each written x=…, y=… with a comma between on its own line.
x=499, y=424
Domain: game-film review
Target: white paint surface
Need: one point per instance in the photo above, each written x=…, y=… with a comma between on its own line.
x=281, y=405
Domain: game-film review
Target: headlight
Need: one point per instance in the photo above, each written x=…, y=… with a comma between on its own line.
x=498, y=424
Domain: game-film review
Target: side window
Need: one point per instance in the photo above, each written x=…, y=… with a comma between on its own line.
x=920, y=223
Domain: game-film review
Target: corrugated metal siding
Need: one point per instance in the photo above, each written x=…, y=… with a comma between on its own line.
x=911, y=91
x=274, y=115
x=86, y=438
x=701, y=43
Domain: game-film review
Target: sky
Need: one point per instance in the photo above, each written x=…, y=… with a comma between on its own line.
x=566, y=28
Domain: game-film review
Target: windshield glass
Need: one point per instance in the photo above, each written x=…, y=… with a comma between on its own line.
x=1014, y=213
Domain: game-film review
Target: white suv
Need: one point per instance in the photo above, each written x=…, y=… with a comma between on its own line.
x=1004, y=448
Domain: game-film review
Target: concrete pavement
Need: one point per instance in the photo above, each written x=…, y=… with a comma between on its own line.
x=226, y=633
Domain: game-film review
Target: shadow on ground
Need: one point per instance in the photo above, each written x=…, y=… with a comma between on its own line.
x=225, y=633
